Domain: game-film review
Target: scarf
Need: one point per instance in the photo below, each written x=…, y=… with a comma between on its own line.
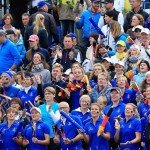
x=121, y=55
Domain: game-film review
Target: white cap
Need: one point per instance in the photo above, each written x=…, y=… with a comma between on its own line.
x=107, y=59
x=67, y=72
x=145, y=30
x=121, y=63
x=137, y=27
x=36, y=108
x=134, y=46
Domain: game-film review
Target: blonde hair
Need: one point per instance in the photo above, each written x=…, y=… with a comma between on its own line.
x=17, y=32
x=85, y=97
x=140, y=18
x=50, y=89
x=121, y=76
x=57, y=65
x=38, y=23
x=115, y=29
x=105, y=74
x=103, y=99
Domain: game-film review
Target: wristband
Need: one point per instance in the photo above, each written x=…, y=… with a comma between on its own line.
x=72, y=141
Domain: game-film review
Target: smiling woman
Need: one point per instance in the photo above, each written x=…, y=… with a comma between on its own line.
x=9, y=131
x=128, y=130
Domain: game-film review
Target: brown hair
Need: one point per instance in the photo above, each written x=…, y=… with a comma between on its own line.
x=115, y=29
x=99, y=47
x=11, y=109
x=46, y=66
x=140, y=18
x=8, y=15
x=50, y=89
x=57, y=65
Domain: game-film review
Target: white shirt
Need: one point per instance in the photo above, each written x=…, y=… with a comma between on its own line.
x=119, y=5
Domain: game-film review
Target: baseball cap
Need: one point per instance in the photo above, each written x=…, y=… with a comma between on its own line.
x=72, y=35
x=95, y=1
x=2, y=32
x=116, y=89
x=122, y=43
x=107, y=59
x=42, y=3
x=33, y=38
x=109, y=1
x=67, y=72
x=36, y=108
x=137, y=27
x=145, y=30
x=8, y=74
x=121, y=63
x=8, y=32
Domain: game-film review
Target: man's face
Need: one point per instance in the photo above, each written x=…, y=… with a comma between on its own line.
x=96, y=5
x=68, y=43
x=25, y=20
x=5, y=80
x=56, y=72
x=108, y=6
x=135, y=3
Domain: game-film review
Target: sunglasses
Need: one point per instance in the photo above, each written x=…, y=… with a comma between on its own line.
x=137, y=30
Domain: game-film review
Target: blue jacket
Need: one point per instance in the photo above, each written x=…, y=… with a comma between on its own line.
x=7, y=135
x=40, y=131
x=8, y=56
x=84, y=22
x=30, y=96
x=21, y=48
x=96, y=93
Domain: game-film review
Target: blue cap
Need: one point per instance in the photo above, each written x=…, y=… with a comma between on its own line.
x=42, y=3
x=72, y=35
x=95, y=1
x=8, y=74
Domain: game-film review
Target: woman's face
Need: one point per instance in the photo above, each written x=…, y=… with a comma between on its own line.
x=120, y=48
x=143, y=68
x=133, y=52
x=7, y=20
x=102, y=50
x=11, y=115
x=102, y=80
x=91, y=40
x=35, y=115
x=107, y=19
x=36, y=59
x=147, y=93
x=78, y=75
x=106, y=64
x=118, y=68
x=49, y=96
x=129, y=111
x=137, y=33
x=148, y=79
x=15, y=105
x=97, y=70
x=115, y=96
x=85, y=103
x=121, y=82
x=95, y=112
x=135, y=21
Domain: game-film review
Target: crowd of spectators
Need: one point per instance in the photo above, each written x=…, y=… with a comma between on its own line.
x=78, y=57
